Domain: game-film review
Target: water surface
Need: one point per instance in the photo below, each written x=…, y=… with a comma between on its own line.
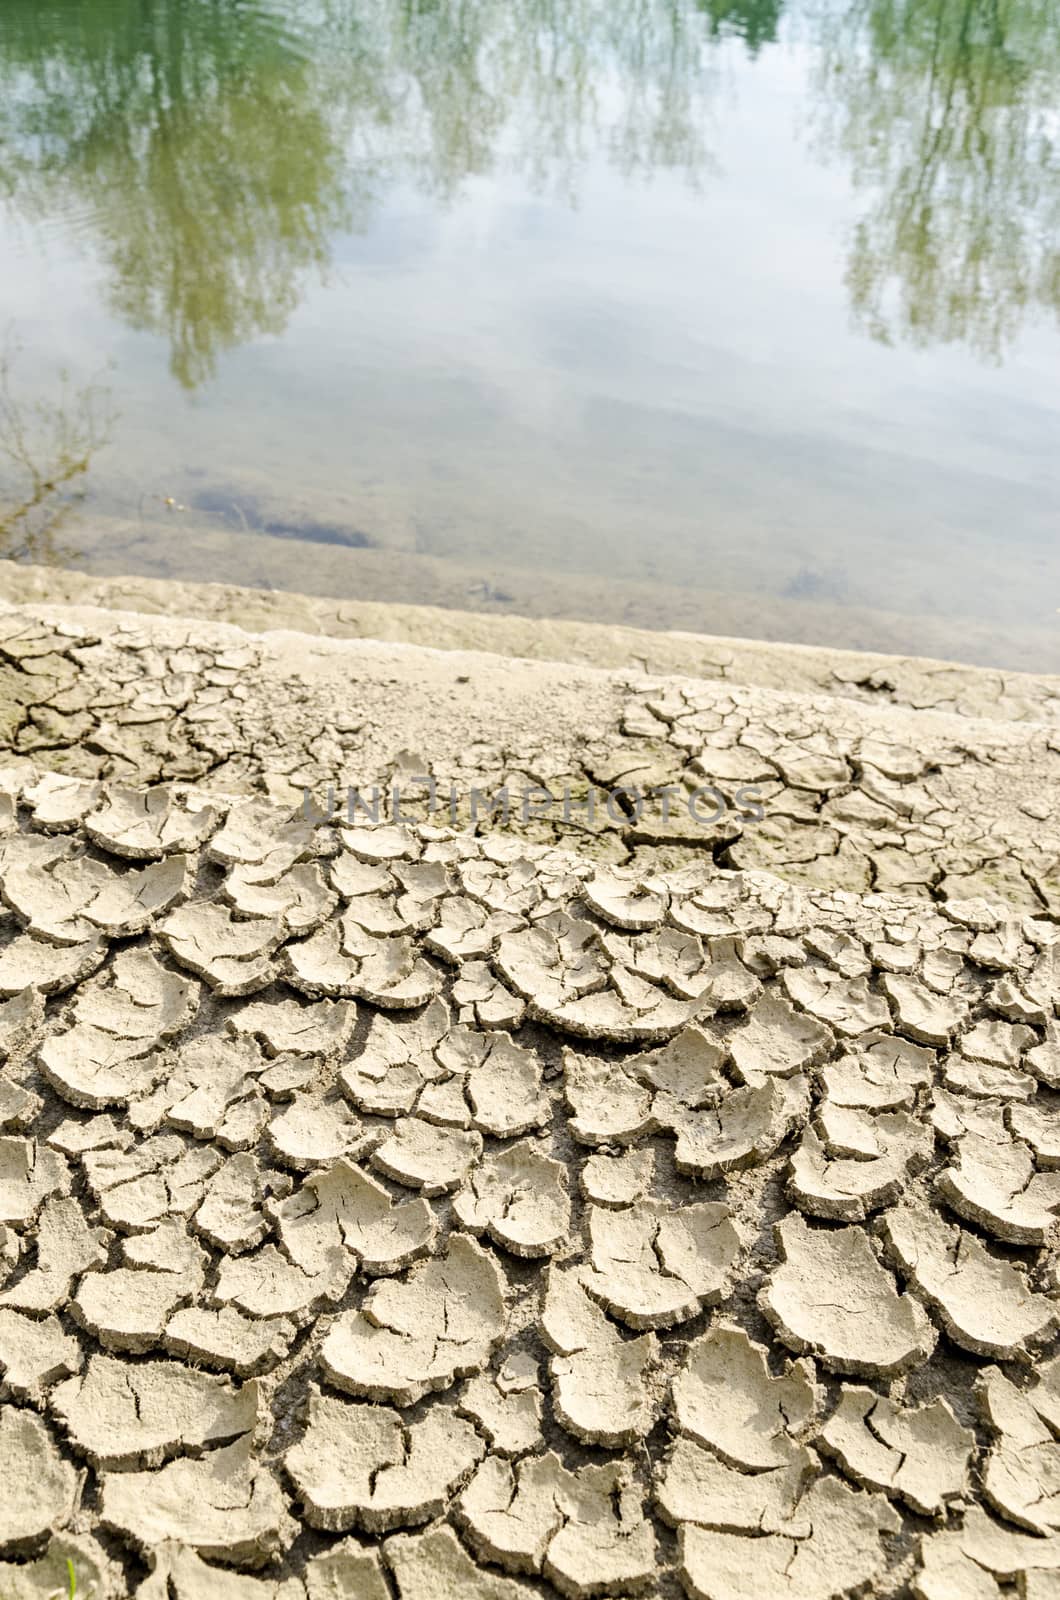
x=735, y=315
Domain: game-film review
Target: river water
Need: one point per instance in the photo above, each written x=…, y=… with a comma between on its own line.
x=731, y=315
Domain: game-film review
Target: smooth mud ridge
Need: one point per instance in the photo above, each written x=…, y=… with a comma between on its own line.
x=401, y=1212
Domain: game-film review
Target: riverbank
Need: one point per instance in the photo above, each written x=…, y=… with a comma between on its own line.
x=418, y=1208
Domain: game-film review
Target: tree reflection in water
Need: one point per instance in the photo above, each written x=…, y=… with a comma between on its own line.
x=756, y=22
x=211, y=150
x=46, y=450
x=947, y=109
x=189, y=142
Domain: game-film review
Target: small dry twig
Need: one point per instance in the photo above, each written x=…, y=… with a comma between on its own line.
x=47, y=447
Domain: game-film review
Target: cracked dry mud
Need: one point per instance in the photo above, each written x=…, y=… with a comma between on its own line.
x=408, y=1213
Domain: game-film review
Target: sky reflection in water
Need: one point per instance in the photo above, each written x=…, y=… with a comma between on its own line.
x=730, y=314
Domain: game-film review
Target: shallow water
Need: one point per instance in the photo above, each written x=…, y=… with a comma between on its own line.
x=727, y=314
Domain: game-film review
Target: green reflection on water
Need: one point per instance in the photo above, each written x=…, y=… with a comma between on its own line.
x=754, y=21
x=948, y=110
x=191, y=142
x=46, y=451
x=210, y=150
